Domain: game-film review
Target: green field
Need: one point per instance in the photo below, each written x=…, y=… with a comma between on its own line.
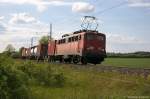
x=59, y=81
x=89, y=84
x=128, y=62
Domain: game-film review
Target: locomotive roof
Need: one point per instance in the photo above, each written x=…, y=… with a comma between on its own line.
x=80, y=32
x=76, y=32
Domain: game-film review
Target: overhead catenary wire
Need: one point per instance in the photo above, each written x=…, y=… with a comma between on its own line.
x=112, y=7
x=107, y=9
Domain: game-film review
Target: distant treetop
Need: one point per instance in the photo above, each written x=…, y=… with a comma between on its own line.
x=44, y=40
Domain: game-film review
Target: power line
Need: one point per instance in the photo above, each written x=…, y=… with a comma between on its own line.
x=100, y=2
x=110, y=8
x=107, y=9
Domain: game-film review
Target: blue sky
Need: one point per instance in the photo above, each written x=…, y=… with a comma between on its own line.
x=126, y=25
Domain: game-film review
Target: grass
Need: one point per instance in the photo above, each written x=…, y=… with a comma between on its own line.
x=89, y=84
x=129, y=62
x=86, y=83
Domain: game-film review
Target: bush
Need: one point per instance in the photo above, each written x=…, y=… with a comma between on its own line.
x=15, y=79
x=58, y=80
x=44, y=75
x=15, y=55
x=13, y=82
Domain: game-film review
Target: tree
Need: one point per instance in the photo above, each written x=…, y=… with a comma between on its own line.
x=9, y=48
x=44, y=40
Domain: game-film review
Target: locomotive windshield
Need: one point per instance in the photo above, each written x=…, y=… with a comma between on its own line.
x=94, y=37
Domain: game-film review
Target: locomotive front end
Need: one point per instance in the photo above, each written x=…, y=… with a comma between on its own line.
x=94, y=47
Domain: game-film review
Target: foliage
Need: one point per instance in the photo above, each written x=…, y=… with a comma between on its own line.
x=15, y=55
x=43, y=74
x=44, y=40
x=15, y=78
x=139, y=54
x=59, y=81
x=10, y=48
x=88, y=83
x=13, y=82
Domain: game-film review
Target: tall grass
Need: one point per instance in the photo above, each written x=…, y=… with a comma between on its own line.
x=89, y=84
x=58, y=81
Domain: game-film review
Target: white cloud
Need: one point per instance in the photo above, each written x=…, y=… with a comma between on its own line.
x=82, y=7
x=40, y=4
x=22, y=18
x=139, y=3
x=125, y=43
x=16, y=39
x=123, y=39
x=2, y=28
x=2, y=25
x=20, y=29
x=2, y=17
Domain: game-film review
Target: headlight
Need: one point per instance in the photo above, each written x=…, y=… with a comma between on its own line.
x=90, y=48
x=101, y=49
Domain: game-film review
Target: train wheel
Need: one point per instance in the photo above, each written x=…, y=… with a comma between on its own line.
x=76, y=59
x=83, y=61
x=70, y=60
x=61, y=60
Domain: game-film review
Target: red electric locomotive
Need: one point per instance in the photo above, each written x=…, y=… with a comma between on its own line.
x=85, y=46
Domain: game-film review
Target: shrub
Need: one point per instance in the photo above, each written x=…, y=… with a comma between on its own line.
x=58, y=80
x=13, y=82
x=15, y=79
x=15, y=55
x=44, y=75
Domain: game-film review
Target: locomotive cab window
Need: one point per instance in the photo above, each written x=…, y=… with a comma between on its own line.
x=100, y=38
x=94, y=37
x=90, y=36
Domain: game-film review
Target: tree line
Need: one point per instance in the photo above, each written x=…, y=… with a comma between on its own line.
x=139, y=54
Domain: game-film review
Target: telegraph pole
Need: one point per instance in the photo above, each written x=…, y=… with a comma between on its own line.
x=50, y=33
x=31, y=41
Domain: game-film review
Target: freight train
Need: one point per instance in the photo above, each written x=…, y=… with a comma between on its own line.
x=84, y=46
